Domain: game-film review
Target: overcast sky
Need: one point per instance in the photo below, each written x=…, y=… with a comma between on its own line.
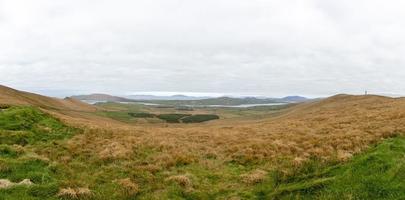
x=257, y=47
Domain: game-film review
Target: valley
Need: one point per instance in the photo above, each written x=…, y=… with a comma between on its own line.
x=342, y=146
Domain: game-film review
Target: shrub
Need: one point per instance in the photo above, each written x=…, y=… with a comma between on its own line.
x=172, y=118
x=199, y=118
x=142, y=115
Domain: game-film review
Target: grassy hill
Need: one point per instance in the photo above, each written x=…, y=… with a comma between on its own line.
x=346, y=147
x=29, y=138
x=11, y=96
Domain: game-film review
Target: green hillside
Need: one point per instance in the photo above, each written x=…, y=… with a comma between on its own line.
x=26, y=134
x=35, y=146
x=376, y=174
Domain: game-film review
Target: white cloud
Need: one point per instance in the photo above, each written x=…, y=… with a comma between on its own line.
x=267, y=47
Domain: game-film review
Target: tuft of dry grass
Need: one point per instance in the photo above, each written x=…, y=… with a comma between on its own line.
x=75, y=193
x=129, y=187
x=254, y=177
x=182, y=180
x=114, y=150
x=5, y=183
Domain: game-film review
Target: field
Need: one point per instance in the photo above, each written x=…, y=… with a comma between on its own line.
x=138, y=114
x=343, y=147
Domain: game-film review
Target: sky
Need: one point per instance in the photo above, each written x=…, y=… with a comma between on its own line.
x=240, y=47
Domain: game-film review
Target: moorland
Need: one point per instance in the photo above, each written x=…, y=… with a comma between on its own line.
x=341, y=147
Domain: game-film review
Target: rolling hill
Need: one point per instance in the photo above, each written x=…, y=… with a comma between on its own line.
x=11, y=96
x=344, y=146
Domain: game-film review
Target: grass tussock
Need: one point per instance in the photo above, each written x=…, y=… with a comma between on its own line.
x=182, y=180
x=74, y=193
x=254, y=177
x=129, y=187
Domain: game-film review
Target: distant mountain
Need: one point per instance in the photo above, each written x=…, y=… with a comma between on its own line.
x=294, y=99
x=174, y=97
x=181, y=100
x=101, y=98
x=229, y=101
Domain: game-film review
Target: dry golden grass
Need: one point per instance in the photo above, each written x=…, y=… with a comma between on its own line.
x=14, y=97
x=254, y=177
x=334, y=128
x=129, y=187
x=5, y=183
x=183, y=180
x=331, y=129
x=74, y=193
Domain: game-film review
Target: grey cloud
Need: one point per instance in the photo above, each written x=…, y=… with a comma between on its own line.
x=273, y=48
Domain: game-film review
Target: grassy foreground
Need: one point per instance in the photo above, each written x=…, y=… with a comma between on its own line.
x=26, y=136
x=376, y=174
x=38, y=147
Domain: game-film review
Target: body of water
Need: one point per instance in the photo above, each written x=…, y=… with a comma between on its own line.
x=197, y=106
x=245, y=105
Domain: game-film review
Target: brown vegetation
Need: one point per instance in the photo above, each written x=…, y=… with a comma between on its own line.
x=254, y=177
x=74, y=193
x=331, y=129
x=129, y=187
x=182, y=180
x=9, y=96
x=334, y=128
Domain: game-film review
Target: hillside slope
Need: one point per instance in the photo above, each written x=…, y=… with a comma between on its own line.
x=11, y=96
x=297, y=154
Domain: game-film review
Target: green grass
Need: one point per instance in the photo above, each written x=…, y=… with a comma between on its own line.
x=376, y=174
x=22, y=130
x=119, y=111
x=33, y=146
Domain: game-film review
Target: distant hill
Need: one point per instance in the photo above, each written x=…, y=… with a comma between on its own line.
x=101, y=98
x=173, y=97
x=294, y=99
x=229, y=101
x=181, y=100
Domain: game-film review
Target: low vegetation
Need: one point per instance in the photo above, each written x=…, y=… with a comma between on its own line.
x=25, y=134
x=343, y=147
x=376, y=174
x=199, y=118
x=167, y=117
x=172, y=118
x=142, y=115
